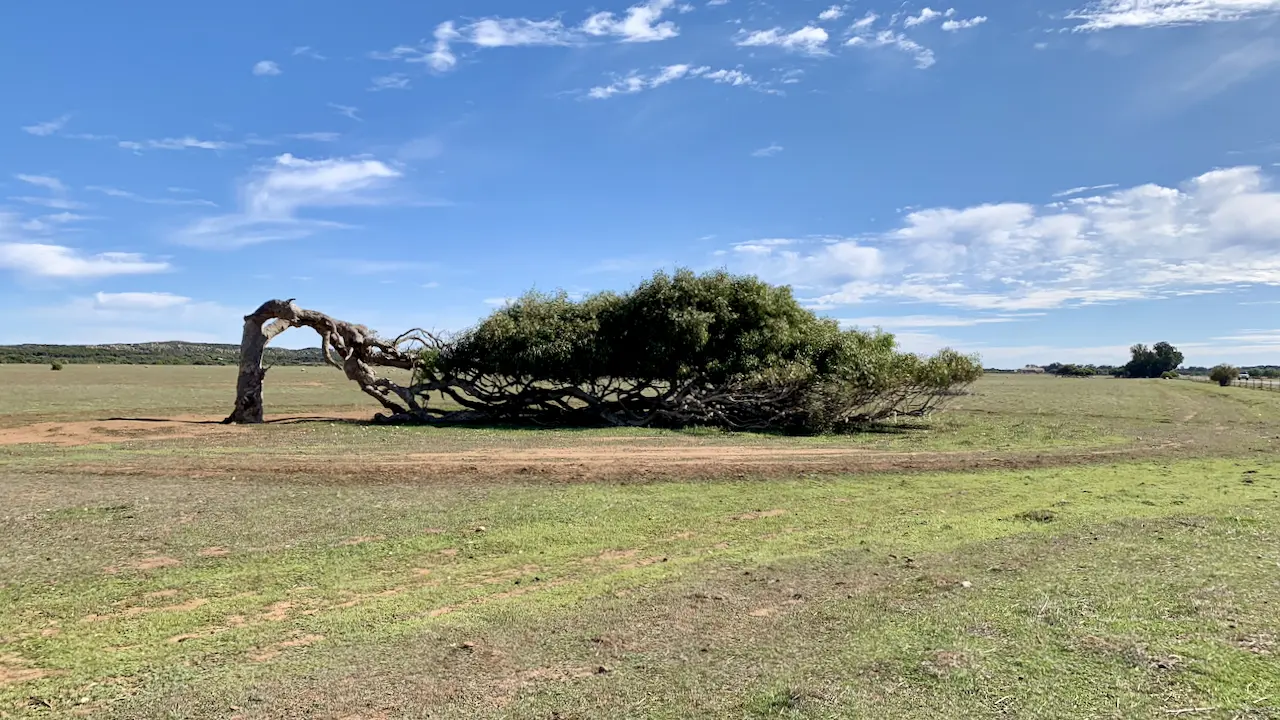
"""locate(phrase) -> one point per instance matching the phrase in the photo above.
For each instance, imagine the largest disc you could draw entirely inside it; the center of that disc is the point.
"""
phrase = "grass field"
(1047, 548)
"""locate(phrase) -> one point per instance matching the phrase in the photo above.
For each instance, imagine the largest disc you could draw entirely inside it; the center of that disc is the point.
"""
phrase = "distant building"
(1032, 370)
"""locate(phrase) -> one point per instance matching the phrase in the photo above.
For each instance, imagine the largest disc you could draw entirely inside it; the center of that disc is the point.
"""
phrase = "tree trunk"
(354, 349)
(253, 345)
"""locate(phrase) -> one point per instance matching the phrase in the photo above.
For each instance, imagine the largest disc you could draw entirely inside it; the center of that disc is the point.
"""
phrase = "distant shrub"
(1224, 375)
(55, 365)
(1074, 371)
(1169, 375)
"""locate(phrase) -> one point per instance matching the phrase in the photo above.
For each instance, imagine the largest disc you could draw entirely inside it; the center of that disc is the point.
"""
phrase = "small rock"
(481, 529)
(602, 670)
(966, 584)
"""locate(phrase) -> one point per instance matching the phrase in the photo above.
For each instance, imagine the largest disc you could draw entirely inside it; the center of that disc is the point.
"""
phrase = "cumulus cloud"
(1218, 229)
(808, 40)
(954, 25)
(1112, 14)
(640, 23)
(273, 198)
(835, 12)
(926, 15)
(266, 67)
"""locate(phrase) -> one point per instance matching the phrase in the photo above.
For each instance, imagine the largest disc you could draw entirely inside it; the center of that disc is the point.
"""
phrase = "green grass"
(315, 570)
(852, 590)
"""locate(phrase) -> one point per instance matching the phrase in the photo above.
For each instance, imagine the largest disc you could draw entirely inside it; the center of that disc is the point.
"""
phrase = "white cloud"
(58, 261)
(930, 321)
(835, 12)
(809, 40)
(394, 81)
(1111, 14)
(272, 199)
(640, 24)
(317, 136)
(138, 300)
(49, 183)
(954, 25)
(770, 151)
(48, 127)
(127, 195)
(887, 38)
(347, 111)
(308, 51)
(636, 82)
(1217, 230)
(715, 3)
(57, 203)
(182, 143)
(266, 67)
(1084, 189)
(926, 15)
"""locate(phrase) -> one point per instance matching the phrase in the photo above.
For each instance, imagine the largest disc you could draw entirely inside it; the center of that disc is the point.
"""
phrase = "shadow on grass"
(277, 421)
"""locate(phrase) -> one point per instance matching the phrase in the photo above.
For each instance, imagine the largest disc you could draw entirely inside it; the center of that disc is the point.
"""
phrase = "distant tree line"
(159, 353)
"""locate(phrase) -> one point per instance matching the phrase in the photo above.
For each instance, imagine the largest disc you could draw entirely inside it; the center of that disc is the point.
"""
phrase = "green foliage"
(1224, 375)
(1152, 362)
(1070, 370)
(55, 365)
(714, 349)
(1169, 375)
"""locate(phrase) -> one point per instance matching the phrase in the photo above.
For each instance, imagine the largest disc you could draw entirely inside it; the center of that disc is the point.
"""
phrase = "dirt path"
(90, 432)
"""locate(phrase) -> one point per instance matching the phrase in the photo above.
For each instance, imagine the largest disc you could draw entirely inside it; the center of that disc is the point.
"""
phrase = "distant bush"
(1224, 374)
(55, 365)
(1074, 371)
(1169, 375)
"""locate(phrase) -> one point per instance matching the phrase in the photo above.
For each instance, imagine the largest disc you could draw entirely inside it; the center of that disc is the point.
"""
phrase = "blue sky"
(1029, 181)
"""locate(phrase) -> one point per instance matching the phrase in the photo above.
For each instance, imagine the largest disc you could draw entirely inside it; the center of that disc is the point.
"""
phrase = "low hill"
(157, 353)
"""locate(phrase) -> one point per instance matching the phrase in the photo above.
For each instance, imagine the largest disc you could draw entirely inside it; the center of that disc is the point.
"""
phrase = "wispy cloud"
(49, 183)
(266, 67)
(924, 57)
(325, 137)
(138, 300)
(47, 127)
(57, 203)
(636, 81)
(765, 152)
(1084, 189)
(276, 193)
(394, 81)
(932, 321)
(308, 52)
(127, 195)
(58, 261)
(1112, 14)
(182, 143)
(347, 111)
(639, 24)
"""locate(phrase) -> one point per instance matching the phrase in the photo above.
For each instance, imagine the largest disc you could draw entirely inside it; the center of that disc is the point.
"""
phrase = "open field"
(1046, 548)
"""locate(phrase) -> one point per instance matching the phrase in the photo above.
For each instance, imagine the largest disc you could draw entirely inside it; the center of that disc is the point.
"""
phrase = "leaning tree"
(678, 350)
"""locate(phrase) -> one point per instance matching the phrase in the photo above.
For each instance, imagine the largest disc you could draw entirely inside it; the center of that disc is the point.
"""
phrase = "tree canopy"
(1151, 362)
